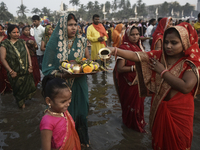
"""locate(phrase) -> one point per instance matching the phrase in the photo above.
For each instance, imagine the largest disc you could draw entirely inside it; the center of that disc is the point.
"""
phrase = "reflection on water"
(19, 129)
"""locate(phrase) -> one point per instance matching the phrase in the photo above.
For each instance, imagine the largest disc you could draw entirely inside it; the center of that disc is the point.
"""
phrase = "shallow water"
(19, 129)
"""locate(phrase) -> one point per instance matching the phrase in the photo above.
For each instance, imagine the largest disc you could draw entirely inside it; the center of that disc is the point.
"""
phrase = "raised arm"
(129, 55)
(184, 85)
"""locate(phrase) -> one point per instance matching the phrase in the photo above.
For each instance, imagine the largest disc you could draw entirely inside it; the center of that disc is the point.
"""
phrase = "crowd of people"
(168, 72)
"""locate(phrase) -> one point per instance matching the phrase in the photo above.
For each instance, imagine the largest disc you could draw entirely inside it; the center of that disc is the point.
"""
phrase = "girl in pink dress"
(57, 126)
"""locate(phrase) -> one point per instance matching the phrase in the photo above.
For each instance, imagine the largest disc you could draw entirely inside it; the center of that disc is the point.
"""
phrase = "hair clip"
(67, 86)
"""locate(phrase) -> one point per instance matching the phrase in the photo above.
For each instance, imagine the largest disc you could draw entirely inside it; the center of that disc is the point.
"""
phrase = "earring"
(49, 105)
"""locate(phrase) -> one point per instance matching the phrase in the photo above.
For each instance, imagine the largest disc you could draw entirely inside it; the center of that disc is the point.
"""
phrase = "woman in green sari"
(45, 39)
(66, 44)
(16, 59)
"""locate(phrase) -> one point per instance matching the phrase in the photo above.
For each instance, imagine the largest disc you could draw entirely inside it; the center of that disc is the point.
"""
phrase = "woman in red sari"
(32, 46)
(163, 24)
(172, 77)
(126, 83)
(4, 83)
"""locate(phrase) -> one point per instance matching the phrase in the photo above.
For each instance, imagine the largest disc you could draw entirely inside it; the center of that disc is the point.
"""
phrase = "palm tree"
(96, 5)
(36, 11)
(90, 6)
(22, 10)
(65, 7)
(114, 5)
(4, 14)
(46, 11)
(128, 4)
(74, 2)
(122, 4)
(107, 6)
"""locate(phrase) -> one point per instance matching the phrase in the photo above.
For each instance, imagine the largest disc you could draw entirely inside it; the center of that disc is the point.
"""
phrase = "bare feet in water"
(23, 106)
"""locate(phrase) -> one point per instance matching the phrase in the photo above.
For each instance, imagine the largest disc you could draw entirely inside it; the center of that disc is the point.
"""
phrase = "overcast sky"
(55, 4)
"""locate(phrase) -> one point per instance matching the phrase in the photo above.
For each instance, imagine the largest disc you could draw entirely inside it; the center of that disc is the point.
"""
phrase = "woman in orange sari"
(172, 77)
(117, 35)
(126, 83)
(157, 41)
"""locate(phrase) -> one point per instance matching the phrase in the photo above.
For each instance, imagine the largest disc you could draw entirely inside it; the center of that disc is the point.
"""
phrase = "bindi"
(16, 30)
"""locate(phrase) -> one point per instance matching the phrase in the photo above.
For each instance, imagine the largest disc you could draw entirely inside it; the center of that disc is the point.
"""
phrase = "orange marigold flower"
(84, 59)
(87, 69)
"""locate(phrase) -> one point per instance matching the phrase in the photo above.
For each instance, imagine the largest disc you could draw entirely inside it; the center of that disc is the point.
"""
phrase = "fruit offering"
(81, 66)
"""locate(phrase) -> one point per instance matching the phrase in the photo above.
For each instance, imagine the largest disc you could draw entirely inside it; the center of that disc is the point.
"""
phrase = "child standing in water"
(57, 126)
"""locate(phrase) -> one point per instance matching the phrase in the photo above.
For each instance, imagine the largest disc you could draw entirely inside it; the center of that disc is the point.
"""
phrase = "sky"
(55, 4)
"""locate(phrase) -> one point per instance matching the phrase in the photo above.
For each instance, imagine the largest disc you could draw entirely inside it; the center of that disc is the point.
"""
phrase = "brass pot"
(104, 53)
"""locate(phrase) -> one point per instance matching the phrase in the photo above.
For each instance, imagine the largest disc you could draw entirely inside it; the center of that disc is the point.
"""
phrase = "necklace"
(54, 113)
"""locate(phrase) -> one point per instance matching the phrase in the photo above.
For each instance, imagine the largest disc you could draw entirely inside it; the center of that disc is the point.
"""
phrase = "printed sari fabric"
(23, 85)
(59, 49)
(171, 122)
(71, 140)
(32, 51)
(117, 37)
(4, 83)
(160, 29)
(126, 85)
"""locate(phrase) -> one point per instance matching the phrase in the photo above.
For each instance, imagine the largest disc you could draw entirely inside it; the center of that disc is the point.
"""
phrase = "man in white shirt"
(152, 22)
(38, 34)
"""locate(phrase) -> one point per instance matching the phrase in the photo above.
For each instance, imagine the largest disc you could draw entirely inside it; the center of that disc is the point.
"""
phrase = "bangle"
(132, 69)
(11, 72)
(115, 54)
(162, 73)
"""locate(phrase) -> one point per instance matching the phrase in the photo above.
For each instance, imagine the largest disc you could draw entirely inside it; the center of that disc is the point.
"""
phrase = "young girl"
(172, 77)
(57, 126)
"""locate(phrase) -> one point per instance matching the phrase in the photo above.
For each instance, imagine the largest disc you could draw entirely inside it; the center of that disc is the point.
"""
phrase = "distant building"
(64, 9)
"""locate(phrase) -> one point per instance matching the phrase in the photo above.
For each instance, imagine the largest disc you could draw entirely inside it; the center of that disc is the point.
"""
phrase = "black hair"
(36, 17)
(159, 19)
(199, 15)
(10, 28)
(152, 20)
(95, 15)
(51, 86)
(2, 26)
(134, 27)
(25, 27)
(71, 16)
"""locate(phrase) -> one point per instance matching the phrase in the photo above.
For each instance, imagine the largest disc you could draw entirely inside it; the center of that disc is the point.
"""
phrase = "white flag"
(172, 12)
(156, 10)
(182, 13)
(135, 9)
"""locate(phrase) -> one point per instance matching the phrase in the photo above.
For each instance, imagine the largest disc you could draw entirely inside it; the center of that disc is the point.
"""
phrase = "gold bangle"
(11, 72)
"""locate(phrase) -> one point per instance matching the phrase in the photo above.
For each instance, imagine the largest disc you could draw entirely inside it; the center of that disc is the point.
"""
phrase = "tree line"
(118, 9)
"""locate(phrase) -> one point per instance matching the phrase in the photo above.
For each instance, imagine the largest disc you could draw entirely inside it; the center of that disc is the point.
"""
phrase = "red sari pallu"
(171, 122)
(160, 29)
(126, 85)
(71, 141)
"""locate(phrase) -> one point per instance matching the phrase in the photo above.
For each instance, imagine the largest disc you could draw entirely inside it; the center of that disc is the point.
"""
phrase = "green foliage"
(121, 9)
(5, 15)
